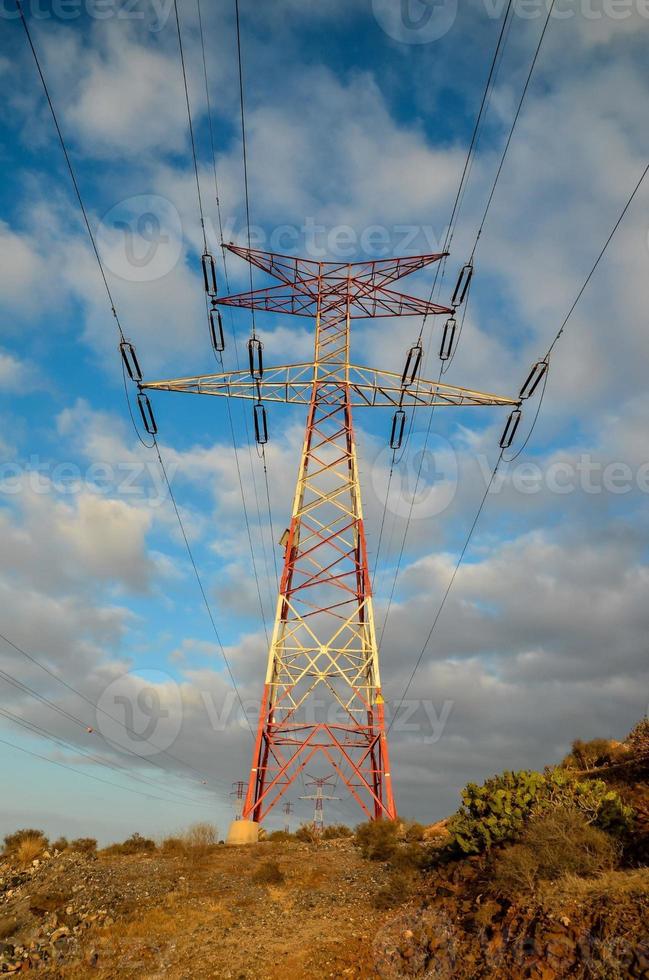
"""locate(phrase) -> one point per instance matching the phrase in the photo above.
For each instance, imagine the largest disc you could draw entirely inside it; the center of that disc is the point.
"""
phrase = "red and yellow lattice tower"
(322, 692)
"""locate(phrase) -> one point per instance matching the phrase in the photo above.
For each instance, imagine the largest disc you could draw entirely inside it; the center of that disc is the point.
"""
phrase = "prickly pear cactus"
(498, 810)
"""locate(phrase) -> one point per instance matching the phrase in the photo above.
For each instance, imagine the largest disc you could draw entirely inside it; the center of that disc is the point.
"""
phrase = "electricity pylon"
(320, 783)
(323, 640)
(237, 795)
(288, 809)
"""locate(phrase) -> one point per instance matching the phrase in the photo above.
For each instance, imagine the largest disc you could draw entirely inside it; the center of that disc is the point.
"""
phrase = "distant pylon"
(323, 641)
(288, 809)
(237, 795)
(321, 783)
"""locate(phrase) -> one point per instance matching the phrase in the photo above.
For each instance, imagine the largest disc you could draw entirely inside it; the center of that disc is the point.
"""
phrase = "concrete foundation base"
(242, 832)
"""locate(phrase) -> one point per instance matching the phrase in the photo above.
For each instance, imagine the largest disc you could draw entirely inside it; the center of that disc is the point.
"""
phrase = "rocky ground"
(79, 916)
(113, 916)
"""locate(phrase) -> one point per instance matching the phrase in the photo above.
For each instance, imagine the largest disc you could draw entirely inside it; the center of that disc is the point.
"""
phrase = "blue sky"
(350, 126)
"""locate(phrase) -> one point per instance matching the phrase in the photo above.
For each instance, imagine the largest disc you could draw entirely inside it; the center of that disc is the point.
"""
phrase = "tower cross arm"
(367, 387)
(364, 301)
(292, 270)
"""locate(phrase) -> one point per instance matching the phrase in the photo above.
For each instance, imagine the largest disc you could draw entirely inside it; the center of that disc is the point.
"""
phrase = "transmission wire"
(121, 333)
(500, 459)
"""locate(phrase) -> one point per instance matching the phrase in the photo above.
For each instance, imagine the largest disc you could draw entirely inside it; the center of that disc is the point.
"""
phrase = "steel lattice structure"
(324, 640)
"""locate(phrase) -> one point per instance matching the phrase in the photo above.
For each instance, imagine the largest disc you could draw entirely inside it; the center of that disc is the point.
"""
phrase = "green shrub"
(498, 810)
(378, 839)
(552, 844)
(337, 831)
(12, 842)
(268, 873)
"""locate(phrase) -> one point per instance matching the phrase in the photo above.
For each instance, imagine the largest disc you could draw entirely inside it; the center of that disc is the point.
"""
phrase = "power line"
(227, 283)
(70, 168)
(101, 269)
(244, 144)
(98, 779)
(599, 258)
(26, 689)
(581, 292)
(501, 456)
(99, 760)
(270, 515)
(191, 127)
(513, 126)
(501, 38)
(61, 680)
(464, 176)
(450, 583)
(408, 520)
(201, 587)
(234, 345)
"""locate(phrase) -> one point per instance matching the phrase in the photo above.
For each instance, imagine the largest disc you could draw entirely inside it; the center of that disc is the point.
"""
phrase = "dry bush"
(268, 873)
(397, 891)
(413, 831)
(594, 754)
(613, 887)
(411, 857)
(378, 839)
(277, 836)
(60, 844)
(13, 841)
(201, 836)
(337, 831)
(638, 738)
(307, 834)
(552, 845)
(83, 845)
(194, 843)
(29, 849)
(135, 844)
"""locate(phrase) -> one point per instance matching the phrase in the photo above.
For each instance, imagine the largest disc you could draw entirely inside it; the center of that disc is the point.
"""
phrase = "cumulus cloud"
(543, 635)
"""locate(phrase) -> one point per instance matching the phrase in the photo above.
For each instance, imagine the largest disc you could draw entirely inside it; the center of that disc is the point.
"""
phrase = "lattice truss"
(322, 693)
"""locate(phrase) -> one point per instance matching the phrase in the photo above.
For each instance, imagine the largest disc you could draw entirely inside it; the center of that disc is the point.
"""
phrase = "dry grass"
(195, 843)
(13, 841)
(396, 891)
(551, 846)
(29, 849)
(611, 886)
(269, 873)
(201, 836)
(135, 844)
